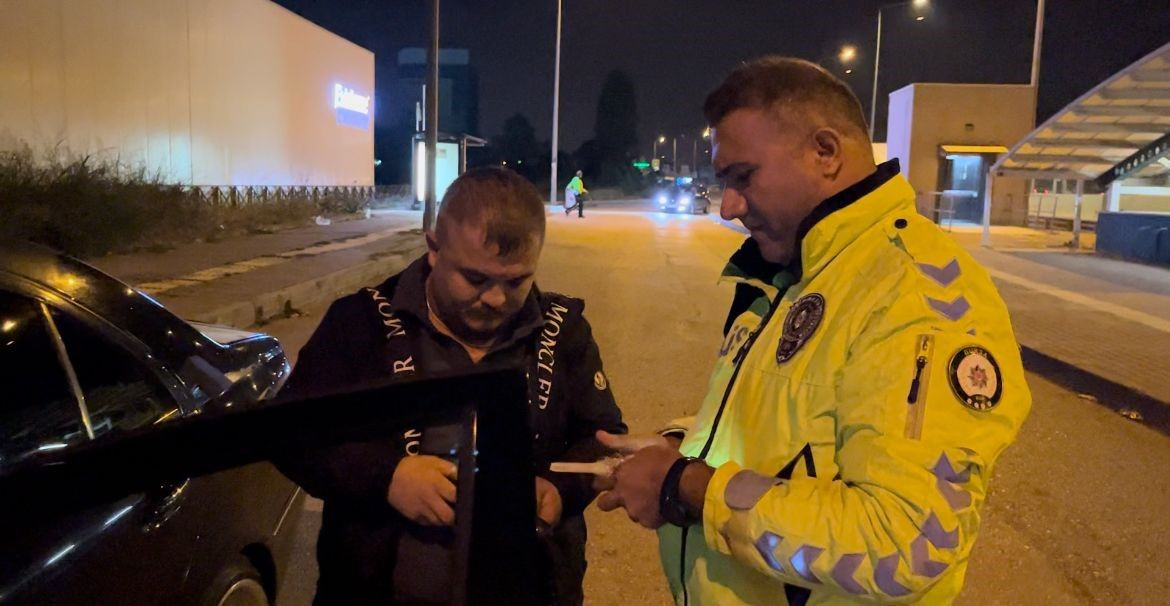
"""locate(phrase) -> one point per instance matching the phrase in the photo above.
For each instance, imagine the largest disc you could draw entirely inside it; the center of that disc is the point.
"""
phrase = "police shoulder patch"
(975, 378)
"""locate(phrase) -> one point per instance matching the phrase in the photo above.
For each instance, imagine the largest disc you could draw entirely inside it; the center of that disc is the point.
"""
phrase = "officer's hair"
(796, 89)
(506, 204)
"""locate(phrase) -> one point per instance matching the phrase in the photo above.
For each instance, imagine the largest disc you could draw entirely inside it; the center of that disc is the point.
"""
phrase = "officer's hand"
(626, 445)
(636, 483)
(548, 502)
(423, 491)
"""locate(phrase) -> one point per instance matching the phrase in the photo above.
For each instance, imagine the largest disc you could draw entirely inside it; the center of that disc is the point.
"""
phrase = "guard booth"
(946, 136)
(450, 162)
(1103, 162)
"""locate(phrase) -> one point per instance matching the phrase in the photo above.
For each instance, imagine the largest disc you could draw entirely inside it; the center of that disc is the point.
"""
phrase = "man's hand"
(626, 445)
(637, 482)
(423, 491)
(548, 502)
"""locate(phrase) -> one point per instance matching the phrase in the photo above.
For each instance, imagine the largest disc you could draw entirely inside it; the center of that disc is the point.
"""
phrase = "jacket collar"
(827, 230)
(409, 297)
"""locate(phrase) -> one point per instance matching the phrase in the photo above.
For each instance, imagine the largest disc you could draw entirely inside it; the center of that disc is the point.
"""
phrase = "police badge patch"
(975, 379)
(800, 323)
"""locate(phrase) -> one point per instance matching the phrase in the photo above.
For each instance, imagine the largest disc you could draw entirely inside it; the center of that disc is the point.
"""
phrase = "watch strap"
(670, 504)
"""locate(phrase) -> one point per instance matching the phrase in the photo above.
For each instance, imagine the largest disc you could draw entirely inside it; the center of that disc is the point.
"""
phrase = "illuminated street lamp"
(846, 56)
(660, 139)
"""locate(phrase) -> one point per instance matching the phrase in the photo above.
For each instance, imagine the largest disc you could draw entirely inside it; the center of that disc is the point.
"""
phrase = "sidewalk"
(1102, 316)
(249, 279)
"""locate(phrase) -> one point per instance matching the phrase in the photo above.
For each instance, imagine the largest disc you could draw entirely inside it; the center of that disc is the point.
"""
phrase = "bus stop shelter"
(1116, 135)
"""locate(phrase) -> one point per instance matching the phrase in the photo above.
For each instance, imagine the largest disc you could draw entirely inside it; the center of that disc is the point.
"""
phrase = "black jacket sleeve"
(357, 472)
(592, 407)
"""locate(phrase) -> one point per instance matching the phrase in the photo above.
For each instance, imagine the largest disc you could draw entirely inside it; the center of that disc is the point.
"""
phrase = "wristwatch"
(670, 504)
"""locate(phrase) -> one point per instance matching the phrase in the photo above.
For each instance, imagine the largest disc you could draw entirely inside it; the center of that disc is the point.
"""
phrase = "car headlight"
(662, 199)
(684, 200)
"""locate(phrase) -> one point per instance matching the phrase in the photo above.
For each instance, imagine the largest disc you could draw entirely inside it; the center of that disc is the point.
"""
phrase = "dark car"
(85, 358)
(683, 196)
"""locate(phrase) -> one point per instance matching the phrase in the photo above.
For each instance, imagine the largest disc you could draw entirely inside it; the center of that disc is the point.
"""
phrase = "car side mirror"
(209, 379)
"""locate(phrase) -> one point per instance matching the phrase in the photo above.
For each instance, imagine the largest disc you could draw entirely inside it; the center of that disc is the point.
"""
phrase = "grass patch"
(89, 207)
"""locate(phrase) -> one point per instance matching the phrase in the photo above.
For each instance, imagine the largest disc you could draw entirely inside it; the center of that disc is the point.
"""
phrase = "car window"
(121, 392)
(37, 410)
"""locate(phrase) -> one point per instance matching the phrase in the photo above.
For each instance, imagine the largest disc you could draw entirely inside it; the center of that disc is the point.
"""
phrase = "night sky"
(677, 50)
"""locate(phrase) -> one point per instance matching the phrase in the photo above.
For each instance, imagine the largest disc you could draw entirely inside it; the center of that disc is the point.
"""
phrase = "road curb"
(309, 294)
(1127, 401)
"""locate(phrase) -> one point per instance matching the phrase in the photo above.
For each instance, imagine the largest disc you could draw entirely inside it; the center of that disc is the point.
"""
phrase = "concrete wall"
(923, 117)
(204, 92)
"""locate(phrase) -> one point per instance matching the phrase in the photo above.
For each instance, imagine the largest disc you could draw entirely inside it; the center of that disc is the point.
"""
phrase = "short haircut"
(795, 88)
(504, 203)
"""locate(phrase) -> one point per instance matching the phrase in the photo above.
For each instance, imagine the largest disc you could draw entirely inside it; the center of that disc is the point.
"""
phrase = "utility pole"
(552, 185)
(432, 122)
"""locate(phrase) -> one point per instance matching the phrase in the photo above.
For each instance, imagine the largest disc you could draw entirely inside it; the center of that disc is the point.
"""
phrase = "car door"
(68, 383)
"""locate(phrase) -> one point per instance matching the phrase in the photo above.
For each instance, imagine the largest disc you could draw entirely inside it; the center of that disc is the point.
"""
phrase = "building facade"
(197, 92)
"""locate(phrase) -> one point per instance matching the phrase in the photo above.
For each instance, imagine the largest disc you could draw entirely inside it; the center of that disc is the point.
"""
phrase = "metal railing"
(1038, 220)
(938, 209)
(247, 195)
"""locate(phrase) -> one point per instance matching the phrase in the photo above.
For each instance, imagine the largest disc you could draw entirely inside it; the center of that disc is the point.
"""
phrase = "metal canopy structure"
(1117, 130)
(1114, 122)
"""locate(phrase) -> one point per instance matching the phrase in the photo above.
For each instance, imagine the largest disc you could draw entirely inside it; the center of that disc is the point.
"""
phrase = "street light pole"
(674, 154)
(877, 54)
(1037, 38)
(552, 186)
(432, 126)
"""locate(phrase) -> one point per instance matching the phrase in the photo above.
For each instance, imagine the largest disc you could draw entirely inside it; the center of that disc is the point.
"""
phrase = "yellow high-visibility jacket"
(854, 417)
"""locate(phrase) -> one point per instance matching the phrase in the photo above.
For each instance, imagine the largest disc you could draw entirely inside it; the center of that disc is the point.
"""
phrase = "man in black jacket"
(470, 299)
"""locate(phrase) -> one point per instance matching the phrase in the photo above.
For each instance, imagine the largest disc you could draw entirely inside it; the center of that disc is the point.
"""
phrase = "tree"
(615, 133)
(517, 141)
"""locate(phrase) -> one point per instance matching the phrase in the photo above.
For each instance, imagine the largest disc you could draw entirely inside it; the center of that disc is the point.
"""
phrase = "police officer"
(470, 299)
(867, 383)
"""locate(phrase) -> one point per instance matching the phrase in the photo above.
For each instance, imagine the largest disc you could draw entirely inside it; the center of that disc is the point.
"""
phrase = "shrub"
(88, 207)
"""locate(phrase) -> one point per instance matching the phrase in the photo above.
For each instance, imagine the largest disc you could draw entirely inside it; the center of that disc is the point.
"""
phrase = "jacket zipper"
(738, 361)
(916, 399)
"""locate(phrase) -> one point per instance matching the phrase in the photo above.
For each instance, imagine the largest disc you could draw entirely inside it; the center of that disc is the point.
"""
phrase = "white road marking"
(1125, 313)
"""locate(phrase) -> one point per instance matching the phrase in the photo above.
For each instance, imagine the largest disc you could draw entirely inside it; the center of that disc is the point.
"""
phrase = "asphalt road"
(1078, 510)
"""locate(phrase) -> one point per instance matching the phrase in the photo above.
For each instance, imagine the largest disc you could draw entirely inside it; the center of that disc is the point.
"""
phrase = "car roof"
(116, 302)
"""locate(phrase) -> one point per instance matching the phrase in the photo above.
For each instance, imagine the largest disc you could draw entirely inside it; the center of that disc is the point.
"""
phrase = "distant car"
(84, 357)
(683, 198)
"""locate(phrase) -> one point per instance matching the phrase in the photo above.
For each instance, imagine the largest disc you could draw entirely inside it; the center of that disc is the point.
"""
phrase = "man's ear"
(830, 149)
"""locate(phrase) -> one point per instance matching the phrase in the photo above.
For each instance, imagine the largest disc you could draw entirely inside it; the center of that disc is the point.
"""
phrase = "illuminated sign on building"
(351, 108)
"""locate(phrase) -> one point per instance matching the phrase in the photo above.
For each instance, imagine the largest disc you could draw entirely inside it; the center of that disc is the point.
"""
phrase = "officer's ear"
(829, 145)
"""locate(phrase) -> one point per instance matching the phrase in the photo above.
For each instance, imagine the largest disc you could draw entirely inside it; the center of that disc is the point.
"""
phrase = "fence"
(248, 195)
